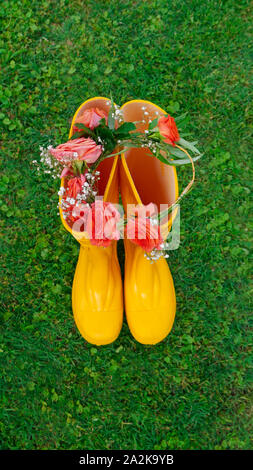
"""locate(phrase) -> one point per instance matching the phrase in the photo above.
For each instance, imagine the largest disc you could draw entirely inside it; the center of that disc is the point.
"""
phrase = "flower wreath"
(99, 135)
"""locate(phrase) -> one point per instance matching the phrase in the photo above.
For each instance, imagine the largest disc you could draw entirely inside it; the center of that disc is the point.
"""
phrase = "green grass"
(192, 391)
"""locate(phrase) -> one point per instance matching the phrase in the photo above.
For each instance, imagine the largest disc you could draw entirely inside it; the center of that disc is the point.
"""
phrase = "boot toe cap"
(151, 326)
(99, 328)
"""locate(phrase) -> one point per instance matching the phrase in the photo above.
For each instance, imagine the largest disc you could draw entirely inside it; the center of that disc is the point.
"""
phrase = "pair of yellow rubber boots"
(149, 295)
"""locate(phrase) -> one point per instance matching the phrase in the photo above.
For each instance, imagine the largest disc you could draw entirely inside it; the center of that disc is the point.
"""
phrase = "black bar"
(110, 459)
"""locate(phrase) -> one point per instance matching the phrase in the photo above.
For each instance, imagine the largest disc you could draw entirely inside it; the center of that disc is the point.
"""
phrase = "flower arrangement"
(99, 135)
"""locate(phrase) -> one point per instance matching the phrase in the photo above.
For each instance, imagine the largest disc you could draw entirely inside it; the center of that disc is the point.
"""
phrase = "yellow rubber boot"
(150, 301)
(97, 299)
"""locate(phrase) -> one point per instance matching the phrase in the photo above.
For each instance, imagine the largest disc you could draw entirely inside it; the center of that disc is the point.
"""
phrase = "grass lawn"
(192, 391)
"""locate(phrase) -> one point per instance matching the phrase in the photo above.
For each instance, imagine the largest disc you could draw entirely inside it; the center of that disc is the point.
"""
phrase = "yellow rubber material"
(97, 298)
(150, 300)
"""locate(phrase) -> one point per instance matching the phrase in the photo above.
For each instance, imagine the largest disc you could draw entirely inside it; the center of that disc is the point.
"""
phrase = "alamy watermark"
(136, 222)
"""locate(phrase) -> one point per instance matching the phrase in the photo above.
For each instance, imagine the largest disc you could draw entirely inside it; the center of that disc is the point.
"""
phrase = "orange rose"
(168, 129)
(77, 149)
(75, 185)
(91, 118)
(102, 223)
(141, 231)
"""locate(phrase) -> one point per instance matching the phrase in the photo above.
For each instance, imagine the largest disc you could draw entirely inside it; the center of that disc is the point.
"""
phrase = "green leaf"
(160, 157)
(82, 127)
(111, 116)
(125, 128)
(188, 145)
(77, 135)
(105, 133)
(153, 124)
(102, 122)
(136, 134)
(176, 152)
(115, 153)
(156, 136)
(185, 161)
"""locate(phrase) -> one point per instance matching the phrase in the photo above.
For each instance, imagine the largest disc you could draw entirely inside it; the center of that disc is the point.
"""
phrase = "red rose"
(168, 129)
